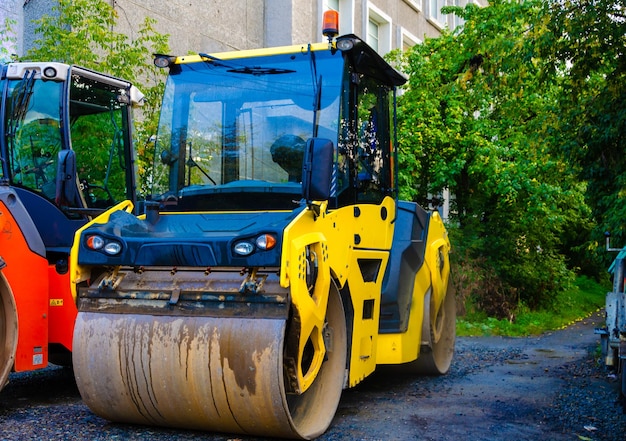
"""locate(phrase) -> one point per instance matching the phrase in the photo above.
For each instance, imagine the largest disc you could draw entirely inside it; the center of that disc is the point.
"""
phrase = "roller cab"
(273, 265)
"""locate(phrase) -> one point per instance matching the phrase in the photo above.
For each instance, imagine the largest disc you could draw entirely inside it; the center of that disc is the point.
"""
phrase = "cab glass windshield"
(232, 132)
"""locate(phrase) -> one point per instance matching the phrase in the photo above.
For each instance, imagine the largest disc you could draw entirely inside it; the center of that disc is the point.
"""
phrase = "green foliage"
(584, 47)
(82, 32)
(571, 305)
(7, 40)
(478, 118)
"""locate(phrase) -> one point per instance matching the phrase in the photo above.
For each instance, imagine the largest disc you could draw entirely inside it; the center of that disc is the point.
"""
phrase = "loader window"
(33, 133)
(97, 128)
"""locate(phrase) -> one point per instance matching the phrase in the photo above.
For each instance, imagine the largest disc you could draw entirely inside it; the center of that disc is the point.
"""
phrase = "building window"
(434, 12)
(407, 40)
(331, 4)
(372, 34)
(456, 20)
(345, 8)
(378, 27)
(415, 4)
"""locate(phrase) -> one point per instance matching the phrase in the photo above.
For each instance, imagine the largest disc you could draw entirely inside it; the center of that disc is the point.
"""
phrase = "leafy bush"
(581, 299)
(81, 32)
(481, 117)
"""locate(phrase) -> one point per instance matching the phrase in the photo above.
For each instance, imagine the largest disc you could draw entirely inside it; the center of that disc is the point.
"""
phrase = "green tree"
(584, 47)
(82, 32)
(7, 40)
(478, 118)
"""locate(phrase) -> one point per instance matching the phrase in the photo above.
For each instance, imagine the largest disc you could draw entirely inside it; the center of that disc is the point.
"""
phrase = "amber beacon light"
(330, 27)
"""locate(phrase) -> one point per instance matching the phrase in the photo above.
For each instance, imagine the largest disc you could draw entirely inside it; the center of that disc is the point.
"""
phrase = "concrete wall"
(218, 25)
(23, 13)
(31, 11)
(197, 25)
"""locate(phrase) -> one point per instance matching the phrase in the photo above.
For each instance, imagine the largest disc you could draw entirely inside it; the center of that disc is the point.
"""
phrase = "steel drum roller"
(205, 373)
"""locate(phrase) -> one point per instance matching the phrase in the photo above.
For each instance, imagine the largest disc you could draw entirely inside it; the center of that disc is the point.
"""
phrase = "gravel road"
(538, 388)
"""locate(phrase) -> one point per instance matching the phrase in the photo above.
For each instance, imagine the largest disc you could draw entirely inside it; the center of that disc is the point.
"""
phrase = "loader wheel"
(8, 331)
(219, 374)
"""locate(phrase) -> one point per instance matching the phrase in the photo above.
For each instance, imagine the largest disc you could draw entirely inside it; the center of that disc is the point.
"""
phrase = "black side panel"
(24, 221)
(56, 230)
(407, 257)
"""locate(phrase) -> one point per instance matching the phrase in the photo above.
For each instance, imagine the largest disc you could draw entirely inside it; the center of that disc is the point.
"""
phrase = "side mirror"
(66, 188)
(317, 169)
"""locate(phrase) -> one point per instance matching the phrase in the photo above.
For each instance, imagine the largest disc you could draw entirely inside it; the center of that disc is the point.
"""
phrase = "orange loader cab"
(66, 149)
(39, 320)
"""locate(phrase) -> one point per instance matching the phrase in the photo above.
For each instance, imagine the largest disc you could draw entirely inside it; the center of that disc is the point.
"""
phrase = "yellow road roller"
(273, 265)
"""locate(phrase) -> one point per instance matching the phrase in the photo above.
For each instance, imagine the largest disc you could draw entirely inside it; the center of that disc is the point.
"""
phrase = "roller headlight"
(49, 72)
(244, 248)
(95, 242)
(262, 242)
(113, 248)
(345, 44)
(265, 242)
(99, 243)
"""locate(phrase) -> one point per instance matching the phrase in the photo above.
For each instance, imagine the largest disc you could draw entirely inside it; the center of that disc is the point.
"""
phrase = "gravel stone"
(549, 387)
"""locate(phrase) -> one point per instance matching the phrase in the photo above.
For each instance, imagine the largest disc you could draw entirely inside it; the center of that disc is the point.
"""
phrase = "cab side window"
(97, 121)
(364, 169)
(35, 138)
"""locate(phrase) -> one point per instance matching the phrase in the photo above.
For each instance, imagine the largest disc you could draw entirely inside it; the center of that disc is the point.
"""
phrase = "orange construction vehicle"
(66, 150)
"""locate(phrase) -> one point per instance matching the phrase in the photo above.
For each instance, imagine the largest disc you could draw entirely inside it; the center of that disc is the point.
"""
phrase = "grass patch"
(585, 297)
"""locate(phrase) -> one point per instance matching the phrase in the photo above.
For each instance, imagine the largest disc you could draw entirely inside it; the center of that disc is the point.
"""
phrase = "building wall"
(198, 25)
(31, 11)
(217, 25)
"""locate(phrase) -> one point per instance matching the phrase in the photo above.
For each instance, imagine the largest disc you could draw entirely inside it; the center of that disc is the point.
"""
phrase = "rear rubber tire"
(8, 331)
(436, 358)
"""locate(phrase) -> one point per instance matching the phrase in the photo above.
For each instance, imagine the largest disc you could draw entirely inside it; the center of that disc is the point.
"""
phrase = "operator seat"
(288, 152)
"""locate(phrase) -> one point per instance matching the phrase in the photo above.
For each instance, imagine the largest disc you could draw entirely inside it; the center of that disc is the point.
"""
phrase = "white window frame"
(405, 36)
(415, 4)
(456, 20)
(346, 17)
(383, 21)
(435, 17)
